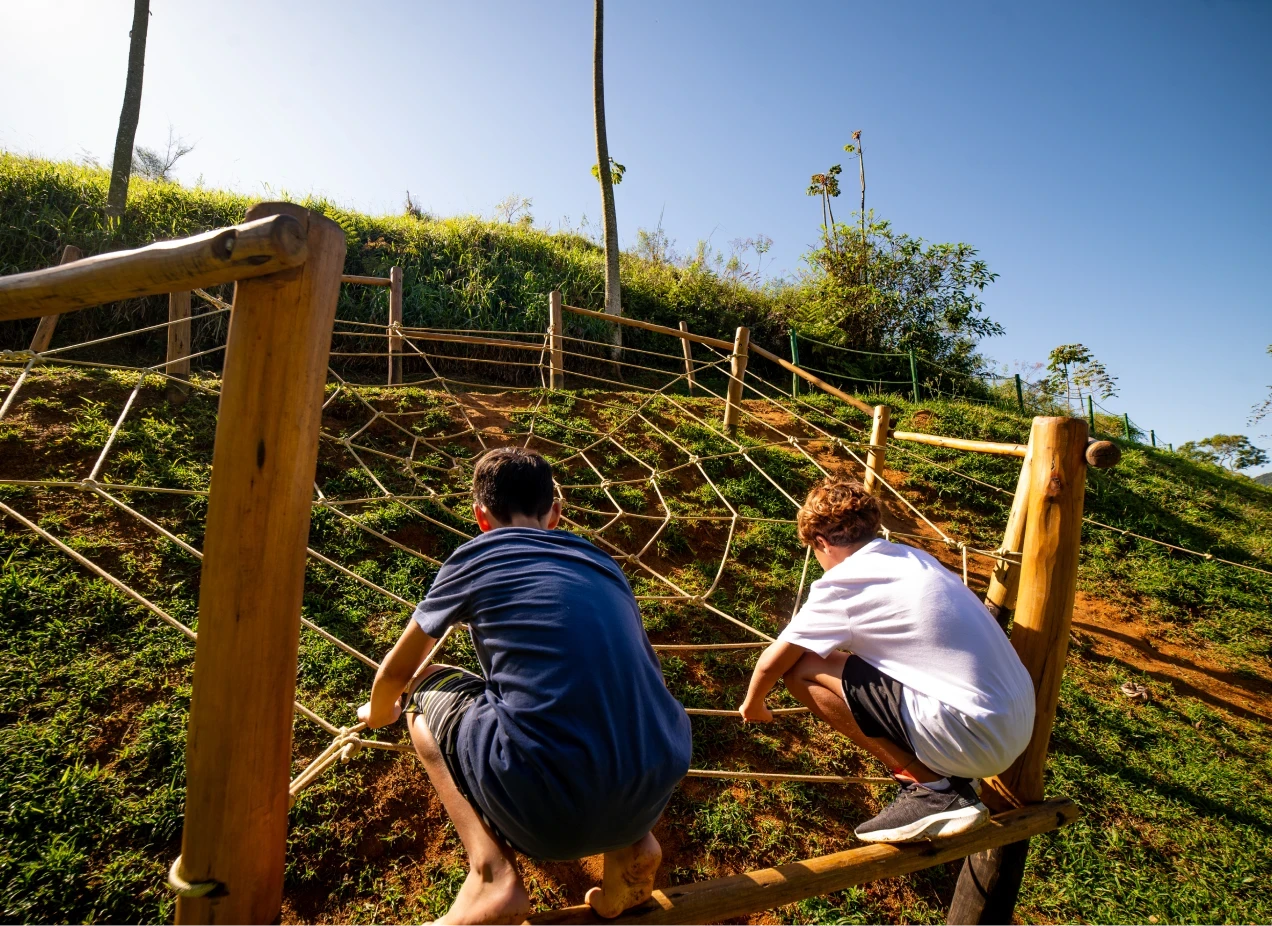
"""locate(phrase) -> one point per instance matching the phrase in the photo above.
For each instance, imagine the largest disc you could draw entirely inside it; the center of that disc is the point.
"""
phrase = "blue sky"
(1107, 159)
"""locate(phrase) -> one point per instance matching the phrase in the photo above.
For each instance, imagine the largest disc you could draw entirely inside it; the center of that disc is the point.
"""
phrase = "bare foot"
(492, 894)
(629, 877)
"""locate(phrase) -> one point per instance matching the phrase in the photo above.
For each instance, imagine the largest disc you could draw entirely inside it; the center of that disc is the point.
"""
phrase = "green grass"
(94, 691)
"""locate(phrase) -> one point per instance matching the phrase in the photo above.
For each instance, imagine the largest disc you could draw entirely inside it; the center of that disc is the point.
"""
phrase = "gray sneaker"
(917, 814)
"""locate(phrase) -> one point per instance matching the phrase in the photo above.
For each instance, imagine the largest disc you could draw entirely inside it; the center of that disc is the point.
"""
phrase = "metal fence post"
(794, 360)
(1020, 394)
(914, 378)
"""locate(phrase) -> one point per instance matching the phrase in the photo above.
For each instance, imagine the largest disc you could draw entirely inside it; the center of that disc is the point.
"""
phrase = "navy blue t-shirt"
(577, 744)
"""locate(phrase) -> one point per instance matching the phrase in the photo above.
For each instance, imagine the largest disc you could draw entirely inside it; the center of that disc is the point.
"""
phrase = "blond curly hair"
(841, 511)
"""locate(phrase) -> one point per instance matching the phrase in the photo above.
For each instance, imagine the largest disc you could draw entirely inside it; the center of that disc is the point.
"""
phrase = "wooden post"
(395, 319)
(556, 329)
(875, 456)
(989, 883)
(688, 349)
(1004, 581)
(914, 377)
(48, 323)
(178, 364)
(1020, 395)
(733, 398)
(238, 755)
(795, 361)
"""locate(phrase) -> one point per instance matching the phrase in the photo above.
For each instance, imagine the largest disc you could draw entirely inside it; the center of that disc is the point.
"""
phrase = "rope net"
(700, 517)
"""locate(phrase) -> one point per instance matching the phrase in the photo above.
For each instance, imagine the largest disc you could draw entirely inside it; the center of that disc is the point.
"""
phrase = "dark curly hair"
(512, 480)
(841, 511)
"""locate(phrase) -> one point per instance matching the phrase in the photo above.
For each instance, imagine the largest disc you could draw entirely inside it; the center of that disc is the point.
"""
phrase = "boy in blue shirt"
(571, 744)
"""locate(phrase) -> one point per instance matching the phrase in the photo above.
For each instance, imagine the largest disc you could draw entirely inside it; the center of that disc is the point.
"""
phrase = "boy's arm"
(774, 662)
(395, 672)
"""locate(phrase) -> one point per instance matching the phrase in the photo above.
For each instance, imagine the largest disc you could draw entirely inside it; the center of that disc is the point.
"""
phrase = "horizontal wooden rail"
(252, 249)
(366, 281)
(419, 334)
(819, 383)
(650, 326)
(740, 895)
(961, 443)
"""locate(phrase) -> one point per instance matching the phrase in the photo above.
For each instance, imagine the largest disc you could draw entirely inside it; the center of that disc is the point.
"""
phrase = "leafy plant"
(1231, 451)
(1072, 369)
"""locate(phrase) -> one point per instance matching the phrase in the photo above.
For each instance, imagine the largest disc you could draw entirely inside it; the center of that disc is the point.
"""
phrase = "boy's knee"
(801, 674)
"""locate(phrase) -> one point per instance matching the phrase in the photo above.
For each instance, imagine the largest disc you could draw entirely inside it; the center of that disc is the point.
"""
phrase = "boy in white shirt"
(893, 651)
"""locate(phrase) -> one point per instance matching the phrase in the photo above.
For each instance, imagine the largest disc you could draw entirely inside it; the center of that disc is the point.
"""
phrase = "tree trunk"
(609, 218)
(121, 167)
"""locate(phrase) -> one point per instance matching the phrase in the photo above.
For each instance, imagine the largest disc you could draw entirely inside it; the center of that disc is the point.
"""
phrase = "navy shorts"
(875, 701)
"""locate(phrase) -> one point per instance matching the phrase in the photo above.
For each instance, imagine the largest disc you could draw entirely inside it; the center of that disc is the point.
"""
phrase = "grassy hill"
(459, 272)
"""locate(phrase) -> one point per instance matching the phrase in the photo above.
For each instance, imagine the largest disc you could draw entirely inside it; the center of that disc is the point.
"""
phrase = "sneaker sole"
(936, 826)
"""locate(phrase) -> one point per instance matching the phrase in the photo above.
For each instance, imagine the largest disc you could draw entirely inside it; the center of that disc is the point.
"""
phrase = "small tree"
(1073, 369)
(1231, 451)
(827, 187)
(516, 208)
(150, 164)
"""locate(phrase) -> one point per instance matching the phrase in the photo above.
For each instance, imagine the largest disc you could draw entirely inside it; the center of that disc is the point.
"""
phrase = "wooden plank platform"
(739, 895)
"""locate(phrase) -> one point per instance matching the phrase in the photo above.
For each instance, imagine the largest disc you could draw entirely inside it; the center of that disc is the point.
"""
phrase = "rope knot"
(185, 888)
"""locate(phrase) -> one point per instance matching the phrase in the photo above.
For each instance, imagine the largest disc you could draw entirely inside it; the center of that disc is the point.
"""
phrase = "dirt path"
(1110, 634)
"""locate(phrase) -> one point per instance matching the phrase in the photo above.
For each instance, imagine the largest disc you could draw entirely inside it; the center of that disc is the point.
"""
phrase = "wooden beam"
(987, 888)
(48, 323)
(556, 338)
(878, 448)
(420, 334)
(178, 361)
(684, 344)
(650, 326)
(962, 443)
(238, 755)
(737, 369)
(367, 281)
(395, 319)
(816, 381)
(253, 249)
(1004, 581)
(754, 891)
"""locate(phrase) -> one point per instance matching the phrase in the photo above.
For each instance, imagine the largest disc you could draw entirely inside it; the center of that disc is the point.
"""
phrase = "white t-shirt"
(968, 703)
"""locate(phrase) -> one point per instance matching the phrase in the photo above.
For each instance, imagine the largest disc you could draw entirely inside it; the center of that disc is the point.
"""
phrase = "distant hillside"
(1264, 478)
(459, 272)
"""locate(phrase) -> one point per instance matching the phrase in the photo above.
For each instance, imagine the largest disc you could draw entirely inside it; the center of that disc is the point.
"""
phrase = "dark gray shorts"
(875, 701)
(443, 699)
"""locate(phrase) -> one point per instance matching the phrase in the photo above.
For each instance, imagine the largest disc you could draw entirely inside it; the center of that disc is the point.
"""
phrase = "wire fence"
(916, 376)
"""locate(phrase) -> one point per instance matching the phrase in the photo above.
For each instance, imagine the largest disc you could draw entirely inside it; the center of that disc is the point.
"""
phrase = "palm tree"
(609, 218)
(121, 167)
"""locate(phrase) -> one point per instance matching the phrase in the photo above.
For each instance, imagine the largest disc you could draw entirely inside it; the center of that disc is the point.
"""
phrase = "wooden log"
(737, 368)
(1103, 454)
(650, 326)
(420, 334)
(1004, 580)
(754, 891)
(367, 281)
(178, 364)
(556, 329)
(684, 344)
(395, 325)
(987, 888)
(810, 378)
(48, 323)
(878, 445)
(253, 249)
(238, 756)
(962, 443)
